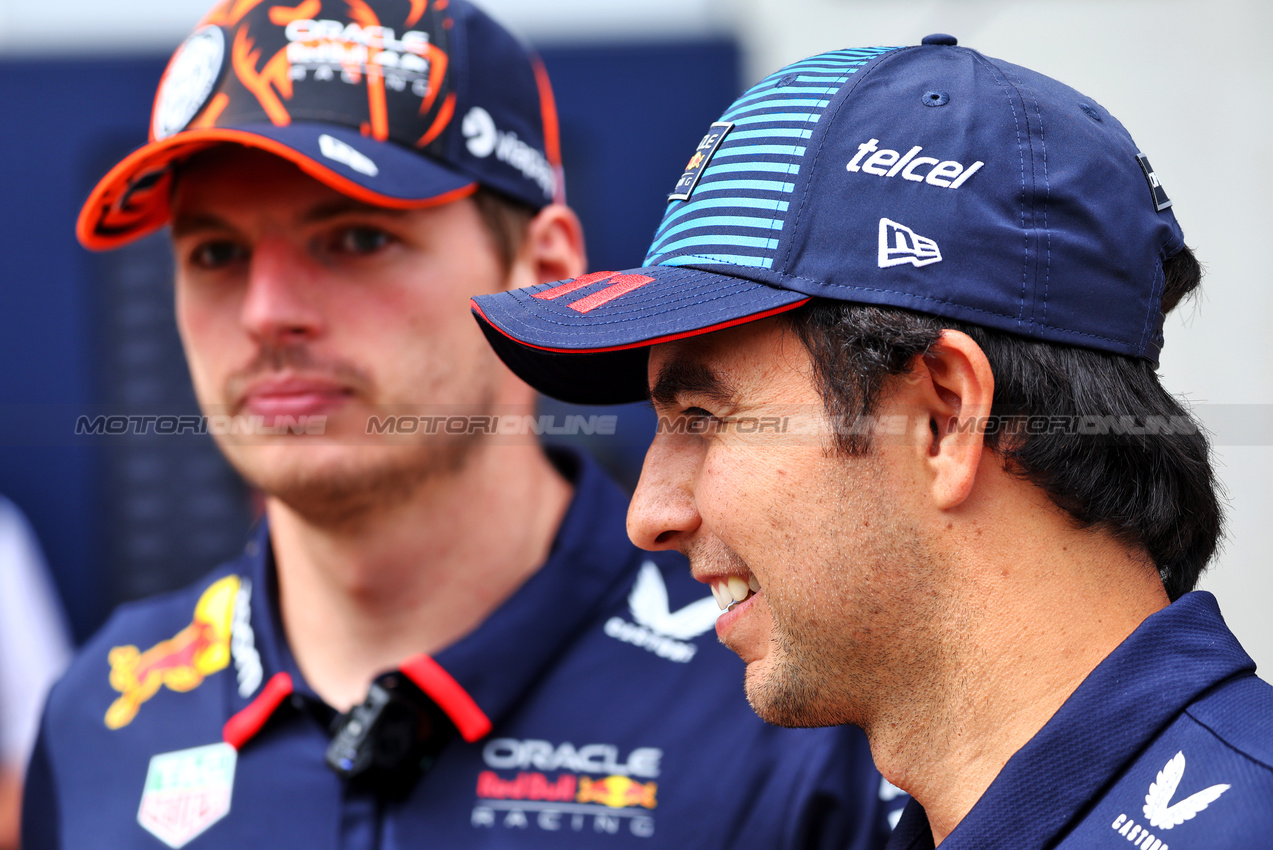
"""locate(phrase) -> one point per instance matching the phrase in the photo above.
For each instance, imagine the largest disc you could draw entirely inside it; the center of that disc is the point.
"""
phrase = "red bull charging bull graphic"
(180, 663)
(617, 792)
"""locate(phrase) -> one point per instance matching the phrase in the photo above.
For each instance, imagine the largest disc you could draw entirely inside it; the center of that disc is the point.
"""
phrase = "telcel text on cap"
(931, 178)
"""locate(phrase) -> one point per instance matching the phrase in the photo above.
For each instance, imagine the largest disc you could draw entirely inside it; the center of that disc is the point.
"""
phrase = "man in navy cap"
(901, 322)
(440, 635)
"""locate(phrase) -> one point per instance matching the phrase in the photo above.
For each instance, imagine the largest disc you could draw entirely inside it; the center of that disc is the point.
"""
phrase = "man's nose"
(663, 513)
(283, 298)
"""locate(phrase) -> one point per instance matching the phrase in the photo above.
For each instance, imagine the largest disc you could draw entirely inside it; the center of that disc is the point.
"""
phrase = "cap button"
(940, 38)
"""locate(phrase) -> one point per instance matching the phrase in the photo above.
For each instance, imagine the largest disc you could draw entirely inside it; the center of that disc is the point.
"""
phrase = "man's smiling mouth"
(730, 590)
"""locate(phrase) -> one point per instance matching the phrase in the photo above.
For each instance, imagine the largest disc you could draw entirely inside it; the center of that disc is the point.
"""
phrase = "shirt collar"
(1174, 656)
(503, 657)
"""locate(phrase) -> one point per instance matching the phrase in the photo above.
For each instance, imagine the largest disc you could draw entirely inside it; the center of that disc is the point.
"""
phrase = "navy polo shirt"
(597, 707)
(1167, 744)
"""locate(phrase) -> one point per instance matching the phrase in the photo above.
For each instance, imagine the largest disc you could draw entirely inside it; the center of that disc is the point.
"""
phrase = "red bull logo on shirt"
(570, 800)
(617, 792)
(182, 662)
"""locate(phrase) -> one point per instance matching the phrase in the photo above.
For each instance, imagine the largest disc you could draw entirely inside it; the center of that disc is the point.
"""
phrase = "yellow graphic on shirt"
(181, 662)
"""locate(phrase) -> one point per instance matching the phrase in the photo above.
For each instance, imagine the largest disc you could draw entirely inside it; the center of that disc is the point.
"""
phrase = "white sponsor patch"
(900, 245)
(186, 792)
(479, 130)
(483, 138)
(336, 150)
(191, 77)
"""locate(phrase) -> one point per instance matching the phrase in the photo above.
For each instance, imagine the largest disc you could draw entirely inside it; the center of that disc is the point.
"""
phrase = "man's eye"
(701, 420)
(360, 240)
(217, 254)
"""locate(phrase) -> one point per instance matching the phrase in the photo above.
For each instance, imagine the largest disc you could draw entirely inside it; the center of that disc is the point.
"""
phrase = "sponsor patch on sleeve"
(698, 162)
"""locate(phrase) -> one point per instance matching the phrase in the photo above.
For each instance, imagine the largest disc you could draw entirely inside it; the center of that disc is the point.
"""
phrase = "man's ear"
(954, 388)
(553, 248)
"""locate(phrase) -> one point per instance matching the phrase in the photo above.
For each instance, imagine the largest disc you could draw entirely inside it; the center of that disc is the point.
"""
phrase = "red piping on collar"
(242, 727)
(449, 695)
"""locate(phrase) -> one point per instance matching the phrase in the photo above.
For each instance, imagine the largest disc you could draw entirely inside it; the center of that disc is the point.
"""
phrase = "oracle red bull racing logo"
(623, 797)
(180, 663)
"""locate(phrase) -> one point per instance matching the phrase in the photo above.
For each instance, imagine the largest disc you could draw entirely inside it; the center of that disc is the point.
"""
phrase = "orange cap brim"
(132, 200)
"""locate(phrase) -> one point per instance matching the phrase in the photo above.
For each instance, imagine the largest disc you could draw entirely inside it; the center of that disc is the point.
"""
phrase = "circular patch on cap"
(191, 79)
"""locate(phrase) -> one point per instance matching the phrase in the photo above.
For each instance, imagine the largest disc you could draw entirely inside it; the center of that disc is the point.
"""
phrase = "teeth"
(734, 589)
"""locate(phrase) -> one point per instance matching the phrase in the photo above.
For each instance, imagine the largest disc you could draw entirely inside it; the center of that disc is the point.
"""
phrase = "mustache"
(712, 552)
(296, 358)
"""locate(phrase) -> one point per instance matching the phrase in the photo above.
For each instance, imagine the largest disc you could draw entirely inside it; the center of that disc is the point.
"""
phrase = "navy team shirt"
(1166, 745)
(603, 713)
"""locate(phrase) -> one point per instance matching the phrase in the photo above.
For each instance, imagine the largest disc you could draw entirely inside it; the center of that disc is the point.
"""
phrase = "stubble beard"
(366, 481)
(841, 663)
(363, 478)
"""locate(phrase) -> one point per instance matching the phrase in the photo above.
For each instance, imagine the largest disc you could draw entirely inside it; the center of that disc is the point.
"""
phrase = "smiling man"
(440, 635)
(901, 322)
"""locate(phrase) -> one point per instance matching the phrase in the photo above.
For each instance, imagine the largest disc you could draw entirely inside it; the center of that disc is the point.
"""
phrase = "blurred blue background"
(125, 517)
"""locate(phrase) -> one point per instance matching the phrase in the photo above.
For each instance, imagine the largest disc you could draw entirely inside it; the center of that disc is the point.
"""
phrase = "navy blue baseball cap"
(399, 103)
(931, 178)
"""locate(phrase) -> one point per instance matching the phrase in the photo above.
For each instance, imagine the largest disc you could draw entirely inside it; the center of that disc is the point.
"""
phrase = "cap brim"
(587, 341)
(133, 198)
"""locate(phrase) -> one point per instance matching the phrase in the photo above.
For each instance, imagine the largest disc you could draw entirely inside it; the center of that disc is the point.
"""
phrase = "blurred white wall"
(1192, 80)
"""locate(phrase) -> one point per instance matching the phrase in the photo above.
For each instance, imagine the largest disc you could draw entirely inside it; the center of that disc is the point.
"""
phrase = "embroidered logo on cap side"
(483, 138)
(900, 245)
(186, 792)
(1161, 201)
(702, 155)
(190, 80)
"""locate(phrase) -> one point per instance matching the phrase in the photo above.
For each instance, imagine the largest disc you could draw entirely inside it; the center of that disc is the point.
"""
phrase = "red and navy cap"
(931, 178)
(399, 103)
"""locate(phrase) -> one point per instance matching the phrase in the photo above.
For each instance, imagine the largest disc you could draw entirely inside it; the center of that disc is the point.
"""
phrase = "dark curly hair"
(1151, 484)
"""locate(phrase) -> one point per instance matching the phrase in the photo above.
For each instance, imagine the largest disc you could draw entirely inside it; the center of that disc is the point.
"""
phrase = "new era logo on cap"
(900, 245)
(335, 149)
